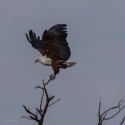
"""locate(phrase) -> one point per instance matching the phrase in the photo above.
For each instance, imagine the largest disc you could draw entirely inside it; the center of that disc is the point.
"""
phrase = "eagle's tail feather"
(69, 64)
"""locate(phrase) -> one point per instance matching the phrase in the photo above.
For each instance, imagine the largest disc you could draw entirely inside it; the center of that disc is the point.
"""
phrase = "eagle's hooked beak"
(36, 60)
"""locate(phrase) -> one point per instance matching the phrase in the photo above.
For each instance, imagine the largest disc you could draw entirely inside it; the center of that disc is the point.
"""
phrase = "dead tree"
(41, 111)
(102, 116)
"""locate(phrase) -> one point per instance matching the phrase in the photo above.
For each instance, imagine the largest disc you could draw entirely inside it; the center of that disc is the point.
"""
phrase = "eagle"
(53, 46)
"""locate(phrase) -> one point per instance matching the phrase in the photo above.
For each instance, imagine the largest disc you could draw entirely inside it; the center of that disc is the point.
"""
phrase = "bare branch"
(54, 102)
(38, 87)
(28, 111)
(122, 121)
(119, 104)
(33, 118)
(39, 111)
(102, 117)
(48, 81)
(113, 115)
(99, 117)
(47, 104)
(41, 101)
(26, 118)
(45, 90)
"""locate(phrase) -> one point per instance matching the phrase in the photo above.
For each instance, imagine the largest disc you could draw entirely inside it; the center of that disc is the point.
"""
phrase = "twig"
(47, 81)
(26, 118)
(122, 121)
(102, 117)
(38, 87)
(99, 118)
(45, 90)
(54, 102)
(28, 111)
(39, 111)
(41, 101)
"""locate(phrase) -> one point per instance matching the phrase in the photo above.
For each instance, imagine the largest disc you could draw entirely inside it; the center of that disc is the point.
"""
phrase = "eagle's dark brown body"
(53, 44)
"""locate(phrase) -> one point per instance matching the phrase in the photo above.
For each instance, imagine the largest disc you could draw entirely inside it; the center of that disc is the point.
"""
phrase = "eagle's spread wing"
(36, 42)
(53, 45)
(55, 42)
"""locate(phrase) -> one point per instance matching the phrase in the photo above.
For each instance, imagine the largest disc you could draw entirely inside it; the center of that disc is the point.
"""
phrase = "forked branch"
(102, 117)
(39, 110)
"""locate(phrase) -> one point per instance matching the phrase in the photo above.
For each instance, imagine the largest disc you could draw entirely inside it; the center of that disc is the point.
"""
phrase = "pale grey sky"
(96, 36)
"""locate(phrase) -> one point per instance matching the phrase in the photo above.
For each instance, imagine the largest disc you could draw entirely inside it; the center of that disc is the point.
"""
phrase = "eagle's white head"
(39, 59)
(44, 60)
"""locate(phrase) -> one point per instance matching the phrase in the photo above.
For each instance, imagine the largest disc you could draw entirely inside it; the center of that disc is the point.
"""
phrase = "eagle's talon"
(52, 77)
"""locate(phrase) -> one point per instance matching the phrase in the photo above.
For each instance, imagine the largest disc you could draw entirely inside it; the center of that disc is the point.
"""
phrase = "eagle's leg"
(55, 69)
(63, 66)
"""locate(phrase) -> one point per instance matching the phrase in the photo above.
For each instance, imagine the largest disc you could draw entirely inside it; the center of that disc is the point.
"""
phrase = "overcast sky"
(96, 36)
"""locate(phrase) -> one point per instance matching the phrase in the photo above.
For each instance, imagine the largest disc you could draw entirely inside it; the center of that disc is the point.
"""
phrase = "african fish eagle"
(53, 46)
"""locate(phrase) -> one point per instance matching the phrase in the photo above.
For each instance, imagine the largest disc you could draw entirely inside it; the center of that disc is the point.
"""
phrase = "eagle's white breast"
(45, 61)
